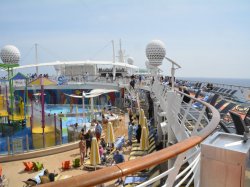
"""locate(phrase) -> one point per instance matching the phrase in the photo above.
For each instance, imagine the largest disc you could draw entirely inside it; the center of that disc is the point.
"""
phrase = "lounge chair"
(37, 166)
(141, 177)
(136, 146)
(151, 142)
(135, 154)
(66, 165)
(247, 118)
(76, 163)
(28, 166)
(239, 124)
(220, 104)
(225, 110)
(197, 93)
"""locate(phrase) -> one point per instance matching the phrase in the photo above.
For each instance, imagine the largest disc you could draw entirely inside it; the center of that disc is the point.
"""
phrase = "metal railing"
(187, 128)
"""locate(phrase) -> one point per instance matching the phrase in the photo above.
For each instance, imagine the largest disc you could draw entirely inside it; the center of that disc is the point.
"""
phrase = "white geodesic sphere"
(130, 60)
(10, 54)
(155, 52)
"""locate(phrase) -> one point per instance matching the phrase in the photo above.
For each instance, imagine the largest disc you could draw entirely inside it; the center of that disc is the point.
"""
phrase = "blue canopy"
(19, 76)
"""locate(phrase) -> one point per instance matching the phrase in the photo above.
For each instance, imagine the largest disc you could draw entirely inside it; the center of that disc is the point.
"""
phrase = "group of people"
(85, 145)
(133, 129)
(86, 139)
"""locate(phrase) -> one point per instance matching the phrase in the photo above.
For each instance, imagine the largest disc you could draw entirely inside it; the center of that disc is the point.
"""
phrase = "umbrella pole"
(43, 113)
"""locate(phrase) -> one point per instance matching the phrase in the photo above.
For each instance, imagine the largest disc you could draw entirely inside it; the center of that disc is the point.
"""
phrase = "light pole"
(173, 70)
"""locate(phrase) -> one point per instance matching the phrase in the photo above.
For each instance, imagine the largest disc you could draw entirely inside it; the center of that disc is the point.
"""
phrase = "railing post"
(170, 118)
(8, 144)
(61, 133)
(55, 127)
(27, 142)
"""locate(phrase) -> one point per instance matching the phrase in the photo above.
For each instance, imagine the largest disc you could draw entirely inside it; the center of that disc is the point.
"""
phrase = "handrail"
(133, 166)
(129, 167)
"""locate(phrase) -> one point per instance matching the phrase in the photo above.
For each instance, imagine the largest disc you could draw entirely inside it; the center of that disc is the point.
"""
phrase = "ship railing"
(187, 127)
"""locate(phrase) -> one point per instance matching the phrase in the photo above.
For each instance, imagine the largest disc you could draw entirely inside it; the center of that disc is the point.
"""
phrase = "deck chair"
(141, 152)
(139, 148)
(136, 145)
(223, 91)
(28, 166)
(37, 166)
(141, 177)
(239, 124)
(220, 104)
(214, 98)
(66, 165)
(247, 118)
(225, 110)
(76, 163)
(197, 93)
(232, 93)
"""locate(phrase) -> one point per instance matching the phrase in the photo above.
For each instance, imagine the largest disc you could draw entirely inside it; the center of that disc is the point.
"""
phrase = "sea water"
(228, 81)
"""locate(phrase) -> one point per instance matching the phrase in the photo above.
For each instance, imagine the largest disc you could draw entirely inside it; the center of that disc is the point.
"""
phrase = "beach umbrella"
(141, 117)
(146, 124)
(110, 136)
(144, 139)
(94, 153)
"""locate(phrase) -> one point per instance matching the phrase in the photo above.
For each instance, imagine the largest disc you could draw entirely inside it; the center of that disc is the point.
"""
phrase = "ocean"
(229, 81)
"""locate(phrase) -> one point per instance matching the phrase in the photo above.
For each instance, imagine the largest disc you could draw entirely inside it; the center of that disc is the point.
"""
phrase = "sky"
(209, 38)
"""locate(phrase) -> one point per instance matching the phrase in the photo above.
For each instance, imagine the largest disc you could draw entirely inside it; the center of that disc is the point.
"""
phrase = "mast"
(121, 57)
(36, 58)
(114, 70)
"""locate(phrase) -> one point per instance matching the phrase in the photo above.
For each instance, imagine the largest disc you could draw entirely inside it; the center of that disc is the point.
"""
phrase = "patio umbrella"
(144, 139)
(110, 137)
(94, 153)
(146, 124)
(141, 117)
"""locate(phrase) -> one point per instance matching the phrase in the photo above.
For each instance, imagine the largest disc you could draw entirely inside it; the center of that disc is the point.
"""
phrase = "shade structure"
(110, 136)
(94, 153)
(144, 139)
(141, 117)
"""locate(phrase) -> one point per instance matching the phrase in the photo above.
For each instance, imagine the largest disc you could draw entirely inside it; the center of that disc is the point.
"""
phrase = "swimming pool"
(20, 138)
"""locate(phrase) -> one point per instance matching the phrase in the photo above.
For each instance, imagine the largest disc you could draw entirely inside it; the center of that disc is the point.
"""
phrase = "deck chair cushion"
(28, 166)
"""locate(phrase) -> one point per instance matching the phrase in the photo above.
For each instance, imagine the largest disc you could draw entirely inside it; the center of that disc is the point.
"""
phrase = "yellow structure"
(3, 111)
(37, 136)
